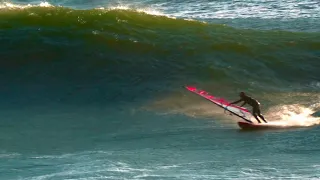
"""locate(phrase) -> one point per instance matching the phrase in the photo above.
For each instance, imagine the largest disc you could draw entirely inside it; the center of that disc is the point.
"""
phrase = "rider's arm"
(235, 102)
(243, 103)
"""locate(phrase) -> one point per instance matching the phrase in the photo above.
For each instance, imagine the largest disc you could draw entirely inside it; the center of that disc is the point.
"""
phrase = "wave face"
(55, 44)
(108, 56)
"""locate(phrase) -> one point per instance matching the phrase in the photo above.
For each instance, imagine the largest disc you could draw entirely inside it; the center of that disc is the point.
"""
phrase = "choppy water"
(94, 90)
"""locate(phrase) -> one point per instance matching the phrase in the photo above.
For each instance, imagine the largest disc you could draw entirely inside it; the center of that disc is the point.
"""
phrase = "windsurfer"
(252, 102)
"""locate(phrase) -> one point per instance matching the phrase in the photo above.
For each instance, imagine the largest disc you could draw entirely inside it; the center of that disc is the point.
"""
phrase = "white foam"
(292, 115)
(148, 10)
(8, 5)
(8, 155)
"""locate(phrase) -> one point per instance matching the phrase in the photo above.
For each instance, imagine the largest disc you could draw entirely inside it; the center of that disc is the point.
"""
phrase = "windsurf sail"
(235, 110)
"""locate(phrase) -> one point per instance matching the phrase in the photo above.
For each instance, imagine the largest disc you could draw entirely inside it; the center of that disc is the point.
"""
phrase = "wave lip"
(212, 10)
(7, 5)
(150, 11)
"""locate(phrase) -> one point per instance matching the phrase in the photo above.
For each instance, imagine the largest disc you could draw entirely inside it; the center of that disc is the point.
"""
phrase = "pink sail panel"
(214, 99)
(237, 110)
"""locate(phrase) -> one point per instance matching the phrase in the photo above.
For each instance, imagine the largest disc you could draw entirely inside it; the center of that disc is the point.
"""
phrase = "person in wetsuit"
(252, 102)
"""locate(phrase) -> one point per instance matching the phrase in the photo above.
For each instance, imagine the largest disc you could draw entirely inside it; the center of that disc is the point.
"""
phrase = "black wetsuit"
(255, 106)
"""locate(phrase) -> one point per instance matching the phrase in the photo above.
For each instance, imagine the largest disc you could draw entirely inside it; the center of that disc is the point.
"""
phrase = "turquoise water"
(95, 90)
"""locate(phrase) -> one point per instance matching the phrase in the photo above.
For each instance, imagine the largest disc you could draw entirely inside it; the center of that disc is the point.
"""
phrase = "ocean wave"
(128, 48)
(213, 49)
